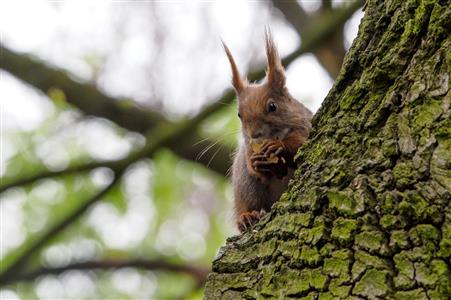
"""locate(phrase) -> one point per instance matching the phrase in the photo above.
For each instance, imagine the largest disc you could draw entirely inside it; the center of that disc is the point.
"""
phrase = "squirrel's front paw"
(269, 160)
(247, 219)
(261, 164)
(272, 149)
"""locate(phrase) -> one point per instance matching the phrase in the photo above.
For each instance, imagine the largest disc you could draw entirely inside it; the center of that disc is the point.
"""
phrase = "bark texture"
(368, 214)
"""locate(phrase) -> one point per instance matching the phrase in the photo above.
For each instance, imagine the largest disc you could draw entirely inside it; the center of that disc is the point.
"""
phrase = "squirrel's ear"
(237, 82)
(275, 71)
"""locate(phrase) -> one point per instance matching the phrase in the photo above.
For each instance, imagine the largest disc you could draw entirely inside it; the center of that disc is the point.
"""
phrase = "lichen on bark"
(367, 215)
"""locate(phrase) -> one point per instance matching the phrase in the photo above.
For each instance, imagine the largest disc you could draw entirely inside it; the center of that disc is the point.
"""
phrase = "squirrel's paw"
(269, 161)
(260, 163)
(272, 148)
(247, 219)
(258, 166)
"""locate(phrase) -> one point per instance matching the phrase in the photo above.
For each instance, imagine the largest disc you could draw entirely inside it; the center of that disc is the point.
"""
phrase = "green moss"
(404, 174)
(443, 272)
(403, 282)
(343, 229)
(344, 204)
(425, 275)
(373, 284)
(413, 205)
(399, 238)
(389, 221)
(353, 97)
(419, 253)
(417, 294)
(426, 114)
(414, 25)
(338, 290)
(315, 234)
(315, 154)
(309, 201)
(327, 249)
(287, 281)
(424, 234)
(443, 129)
(370, 240)
(292, 281)
(364, 261)
(445, 243)
(389, 202)
(233, 280)
(317, 279)
(302, 219)
(357, 269)
(404, 265)
(310, 255)
(336, 267)
(289, 224)
(371, 260)
(389, 148)
(234, 256)
(289, 249)
(327, 296)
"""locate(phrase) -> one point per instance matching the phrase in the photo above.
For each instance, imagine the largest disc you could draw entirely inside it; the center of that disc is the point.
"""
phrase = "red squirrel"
(274, 125)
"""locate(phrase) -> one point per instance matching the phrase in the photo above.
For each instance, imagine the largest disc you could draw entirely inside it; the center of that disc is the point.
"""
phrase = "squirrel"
(274, 125)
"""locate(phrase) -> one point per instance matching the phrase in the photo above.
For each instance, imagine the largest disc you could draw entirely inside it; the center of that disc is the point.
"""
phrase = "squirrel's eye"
(272, 106)
(239, 116)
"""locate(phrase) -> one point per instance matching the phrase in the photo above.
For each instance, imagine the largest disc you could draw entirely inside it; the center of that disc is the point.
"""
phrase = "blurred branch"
(187, 146)
(161, 136)
(326, 5)
(30, 178)
(331, 51)
(9, 271)
(199, 274)
(87, 97)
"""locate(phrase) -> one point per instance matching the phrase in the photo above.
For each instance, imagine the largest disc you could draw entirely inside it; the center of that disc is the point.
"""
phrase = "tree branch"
(326, 5)
(85, 96)
(198, 273)
(26, 251)
(187, 146)
(30, 178)
(161, 136)
(330, 52)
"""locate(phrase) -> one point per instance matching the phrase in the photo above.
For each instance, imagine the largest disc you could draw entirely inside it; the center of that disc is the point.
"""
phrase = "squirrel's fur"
(268, 113)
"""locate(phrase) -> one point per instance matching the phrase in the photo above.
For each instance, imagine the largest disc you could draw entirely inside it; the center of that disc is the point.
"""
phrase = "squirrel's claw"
(247, 219)
(275, 147)
(278, 149)
(261, 166)
(259, 163)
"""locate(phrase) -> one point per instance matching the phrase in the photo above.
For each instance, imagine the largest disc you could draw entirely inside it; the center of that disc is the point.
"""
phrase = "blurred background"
(117, 127)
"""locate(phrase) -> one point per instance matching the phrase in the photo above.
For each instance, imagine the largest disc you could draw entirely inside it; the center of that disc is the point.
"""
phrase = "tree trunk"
(368, 215)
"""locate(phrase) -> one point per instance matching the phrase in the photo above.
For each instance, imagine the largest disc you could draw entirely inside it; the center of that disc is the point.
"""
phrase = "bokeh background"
(117, 125)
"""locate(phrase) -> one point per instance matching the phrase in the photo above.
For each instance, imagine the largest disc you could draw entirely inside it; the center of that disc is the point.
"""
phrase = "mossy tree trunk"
(368, 214)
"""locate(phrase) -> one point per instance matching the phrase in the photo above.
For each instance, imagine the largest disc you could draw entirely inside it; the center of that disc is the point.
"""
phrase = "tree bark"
(367, 215)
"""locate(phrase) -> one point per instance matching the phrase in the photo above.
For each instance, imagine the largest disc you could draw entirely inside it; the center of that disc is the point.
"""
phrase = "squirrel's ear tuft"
(275, 71)
(237, 82)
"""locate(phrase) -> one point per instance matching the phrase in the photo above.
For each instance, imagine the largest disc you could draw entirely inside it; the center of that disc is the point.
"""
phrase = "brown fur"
(256, 189)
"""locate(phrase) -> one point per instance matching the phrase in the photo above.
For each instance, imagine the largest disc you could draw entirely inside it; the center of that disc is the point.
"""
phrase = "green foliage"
(185, 209)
